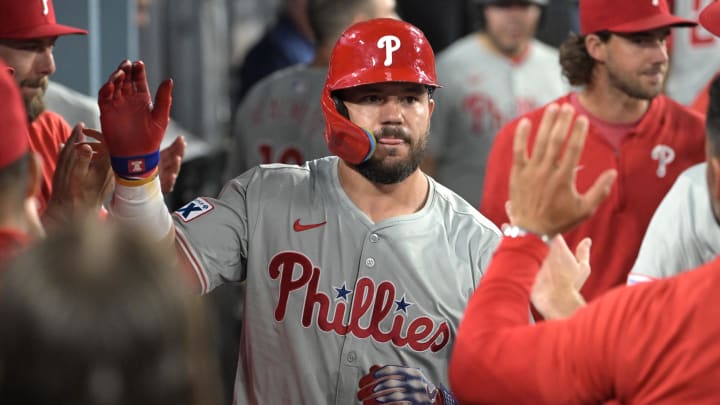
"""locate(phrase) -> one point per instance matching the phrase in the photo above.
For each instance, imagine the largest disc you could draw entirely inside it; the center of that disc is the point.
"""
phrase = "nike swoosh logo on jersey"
(298, 227)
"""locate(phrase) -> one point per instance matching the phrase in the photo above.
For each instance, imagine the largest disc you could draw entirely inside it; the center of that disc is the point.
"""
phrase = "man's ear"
(35, 175)
(431, 105)
(596, 47)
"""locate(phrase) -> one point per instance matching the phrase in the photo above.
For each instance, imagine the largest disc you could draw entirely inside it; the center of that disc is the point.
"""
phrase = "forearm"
(509, 361)
(140, 205)
(489, 338)
(563, 304)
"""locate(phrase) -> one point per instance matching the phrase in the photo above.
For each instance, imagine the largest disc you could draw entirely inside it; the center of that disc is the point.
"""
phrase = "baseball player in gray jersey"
(694, 56)
(279, 120)
(489, 78)
(685, 230)
(358, 266)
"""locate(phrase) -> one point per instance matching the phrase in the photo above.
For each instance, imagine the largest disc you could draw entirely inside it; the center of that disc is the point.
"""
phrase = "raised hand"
(82, 178)
(543, 195)
(133, 127)
(556, 292)
(170, 163)
(399, 385)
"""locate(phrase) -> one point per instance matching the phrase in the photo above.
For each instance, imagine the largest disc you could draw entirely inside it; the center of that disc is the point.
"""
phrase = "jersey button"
(374, 238)
(370, 262)
(351, 357)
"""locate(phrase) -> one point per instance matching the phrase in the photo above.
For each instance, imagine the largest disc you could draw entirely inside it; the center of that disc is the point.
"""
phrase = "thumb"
(599, 191)
(582, 252)
(163, 101)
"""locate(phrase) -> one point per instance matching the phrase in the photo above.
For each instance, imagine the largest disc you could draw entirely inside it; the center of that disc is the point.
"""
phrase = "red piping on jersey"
(193, 262)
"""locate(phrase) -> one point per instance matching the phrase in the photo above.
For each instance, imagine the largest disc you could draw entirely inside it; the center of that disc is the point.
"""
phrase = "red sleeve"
(497, 175)
(499, 359)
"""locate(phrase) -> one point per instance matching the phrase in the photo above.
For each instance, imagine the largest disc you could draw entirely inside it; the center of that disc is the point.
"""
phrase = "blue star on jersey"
(402, 305)
(342, 292)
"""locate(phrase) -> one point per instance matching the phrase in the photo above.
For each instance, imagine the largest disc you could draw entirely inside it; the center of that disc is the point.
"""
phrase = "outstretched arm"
(133, 128)
(507, 360)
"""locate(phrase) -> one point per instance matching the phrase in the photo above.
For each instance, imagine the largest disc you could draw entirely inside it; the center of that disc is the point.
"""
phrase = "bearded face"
(35, 101)
(384, 168)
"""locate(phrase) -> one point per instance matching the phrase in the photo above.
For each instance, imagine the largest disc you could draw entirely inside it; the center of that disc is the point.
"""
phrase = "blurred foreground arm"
(495, 347)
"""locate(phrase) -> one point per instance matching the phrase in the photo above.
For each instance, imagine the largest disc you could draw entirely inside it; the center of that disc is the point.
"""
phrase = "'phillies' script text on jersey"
(421, 334)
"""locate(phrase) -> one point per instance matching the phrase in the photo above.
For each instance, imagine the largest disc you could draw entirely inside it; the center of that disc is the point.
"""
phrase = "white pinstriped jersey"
(280, 121)
(329, 292)
(695, 55)
(482, 92)
(682, 234)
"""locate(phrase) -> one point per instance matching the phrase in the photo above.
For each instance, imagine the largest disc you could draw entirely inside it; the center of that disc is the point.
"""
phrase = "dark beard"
(631, 90)
(379, 172)
(36, 105)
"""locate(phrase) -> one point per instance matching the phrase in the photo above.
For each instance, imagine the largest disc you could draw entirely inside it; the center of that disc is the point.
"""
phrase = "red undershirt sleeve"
(499, 358)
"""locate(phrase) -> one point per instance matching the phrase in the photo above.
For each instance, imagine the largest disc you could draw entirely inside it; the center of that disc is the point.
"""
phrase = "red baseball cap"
(626, 16)
(28, 19)
(13, 119)
(710, 17)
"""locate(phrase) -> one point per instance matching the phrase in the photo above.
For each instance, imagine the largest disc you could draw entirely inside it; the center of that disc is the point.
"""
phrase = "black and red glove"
(132, 126)
(402, 385)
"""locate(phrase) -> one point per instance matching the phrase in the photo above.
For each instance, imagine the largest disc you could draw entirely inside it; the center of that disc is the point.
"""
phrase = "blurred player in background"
(489, 77)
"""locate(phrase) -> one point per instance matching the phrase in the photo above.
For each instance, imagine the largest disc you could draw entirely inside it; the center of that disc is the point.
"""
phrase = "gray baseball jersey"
(280, 121)
(695, 55)
(329, 292)
(683, 233)
(481, 92)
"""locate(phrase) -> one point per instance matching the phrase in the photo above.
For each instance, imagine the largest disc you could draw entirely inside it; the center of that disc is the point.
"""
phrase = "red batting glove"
(132, 126)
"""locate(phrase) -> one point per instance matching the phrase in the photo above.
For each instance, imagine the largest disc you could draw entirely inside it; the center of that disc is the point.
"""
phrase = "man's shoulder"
(460, 213)
(667, 107)
(295, 82)
(463, 49)
(287, 175)
(49, 122)
(543, 49)
(534, 116)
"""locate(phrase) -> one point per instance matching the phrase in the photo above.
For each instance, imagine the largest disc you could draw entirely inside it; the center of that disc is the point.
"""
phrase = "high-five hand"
(543, 195)
(132, 126)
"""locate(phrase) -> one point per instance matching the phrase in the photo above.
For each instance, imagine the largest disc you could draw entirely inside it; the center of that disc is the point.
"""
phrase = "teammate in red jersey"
(621, 60)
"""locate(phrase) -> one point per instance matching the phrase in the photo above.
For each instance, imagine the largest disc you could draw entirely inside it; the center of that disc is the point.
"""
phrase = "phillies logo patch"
(391, 44)
(372, 304)
(664, 155)
(136, 166)
(46, 10)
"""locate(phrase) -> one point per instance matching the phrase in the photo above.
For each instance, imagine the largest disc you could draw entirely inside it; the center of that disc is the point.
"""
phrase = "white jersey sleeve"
(213, 233)
(683, 232)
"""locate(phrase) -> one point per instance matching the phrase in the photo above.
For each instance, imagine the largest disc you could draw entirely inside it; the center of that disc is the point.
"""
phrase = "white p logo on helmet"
(45, 7)
(391, 43)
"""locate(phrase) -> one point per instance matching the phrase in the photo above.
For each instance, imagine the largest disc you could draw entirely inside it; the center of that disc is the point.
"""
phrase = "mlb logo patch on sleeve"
(194, 209)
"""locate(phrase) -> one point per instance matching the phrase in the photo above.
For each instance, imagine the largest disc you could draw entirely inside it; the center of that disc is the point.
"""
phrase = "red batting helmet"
(373, 51)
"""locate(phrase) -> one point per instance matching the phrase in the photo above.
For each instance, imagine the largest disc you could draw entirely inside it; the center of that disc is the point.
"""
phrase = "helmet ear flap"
(344, 138)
